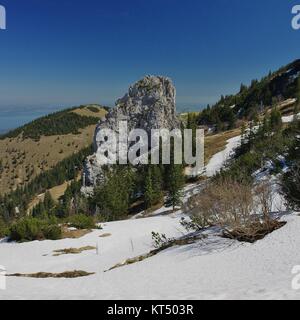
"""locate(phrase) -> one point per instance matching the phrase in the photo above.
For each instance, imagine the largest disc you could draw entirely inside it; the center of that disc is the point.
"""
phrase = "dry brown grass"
(44, 275)
(105, 235)
(74, 234)
(88, 113)
(24, 159)
(286, 107)
(72, 250)
(59, 191)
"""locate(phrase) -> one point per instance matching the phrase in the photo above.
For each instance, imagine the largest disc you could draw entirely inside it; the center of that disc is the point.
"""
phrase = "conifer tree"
(275, 119)
(243, 134)
(49, 203)
(192, 125)
(153, 186)
(243, 88)
(113, 198)
(149, 191)
(175, 183)
(297, 96)
(266, 124)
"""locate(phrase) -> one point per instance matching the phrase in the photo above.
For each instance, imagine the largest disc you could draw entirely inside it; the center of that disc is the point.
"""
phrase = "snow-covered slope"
(213, 268)
(218, 160)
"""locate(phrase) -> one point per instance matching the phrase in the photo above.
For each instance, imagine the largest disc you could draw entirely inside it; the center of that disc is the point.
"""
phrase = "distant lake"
(14, 117)
(8, 122)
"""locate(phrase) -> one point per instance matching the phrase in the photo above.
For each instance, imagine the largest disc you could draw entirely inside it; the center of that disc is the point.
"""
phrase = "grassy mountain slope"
(40, 145)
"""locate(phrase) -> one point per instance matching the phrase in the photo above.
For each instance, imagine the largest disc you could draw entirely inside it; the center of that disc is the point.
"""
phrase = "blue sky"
(66, 52)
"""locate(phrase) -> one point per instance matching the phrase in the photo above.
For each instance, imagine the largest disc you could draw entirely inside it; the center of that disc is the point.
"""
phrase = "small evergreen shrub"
(81, 221)
(52, 232)
(160, 240)
(290, 184)
(3, 229)
(30, 229)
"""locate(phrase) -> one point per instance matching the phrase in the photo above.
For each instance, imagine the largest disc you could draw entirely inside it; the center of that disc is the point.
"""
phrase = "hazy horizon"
(15, 116)
(77, 54)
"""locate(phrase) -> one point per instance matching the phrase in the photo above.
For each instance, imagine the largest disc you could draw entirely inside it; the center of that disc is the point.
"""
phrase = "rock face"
(149, 104)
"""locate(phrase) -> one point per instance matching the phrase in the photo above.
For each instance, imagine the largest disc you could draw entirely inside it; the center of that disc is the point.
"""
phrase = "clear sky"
(67, 52)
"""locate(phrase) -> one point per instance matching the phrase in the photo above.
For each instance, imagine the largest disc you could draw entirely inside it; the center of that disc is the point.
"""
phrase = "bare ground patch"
(72, 250)
(105, 235)
(45, 275)
(74, 234)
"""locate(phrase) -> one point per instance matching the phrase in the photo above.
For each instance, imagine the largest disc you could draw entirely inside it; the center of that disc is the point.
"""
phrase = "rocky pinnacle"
(149, 104)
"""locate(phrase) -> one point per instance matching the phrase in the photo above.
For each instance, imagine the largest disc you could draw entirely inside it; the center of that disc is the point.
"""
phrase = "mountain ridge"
(16, 171)
(46, 142)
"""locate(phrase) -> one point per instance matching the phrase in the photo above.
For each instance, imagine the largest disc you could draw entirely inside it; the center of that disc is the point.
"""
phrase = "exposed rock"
(149, 104)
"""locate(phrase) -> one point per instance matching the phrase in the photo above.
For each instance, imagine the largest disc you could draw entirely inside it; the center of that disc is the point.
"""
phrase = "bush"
(3, 229)
(27, 229)
(81, 221)
(52, 232)
(30, 229)
(160, 240)
(291, 186)
(255, 231)
(230, 204)
(225, 202)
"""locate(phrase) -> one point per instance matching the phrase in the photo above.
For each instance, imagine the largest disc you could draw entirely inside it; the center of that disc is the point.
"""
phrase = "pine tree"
(40, 211)
(243, 134)
(113, 198)
(275, 119)
(266, 125)
(192, 125)
(243, 88)
(149, 191)
(267, 96)
(219, 125)
(49, 203)
(175, 183)
(231, 119)
(290, 183)
(153, 186)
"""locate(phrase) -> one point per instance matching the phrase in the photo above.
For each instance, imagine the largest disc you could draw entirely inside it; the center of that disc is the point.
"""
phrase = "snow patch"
(218, 160)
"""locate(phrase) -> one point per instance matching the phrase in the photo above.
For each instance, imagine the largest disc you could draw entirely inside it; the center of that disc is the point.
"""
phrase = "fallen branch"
(172, 243)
